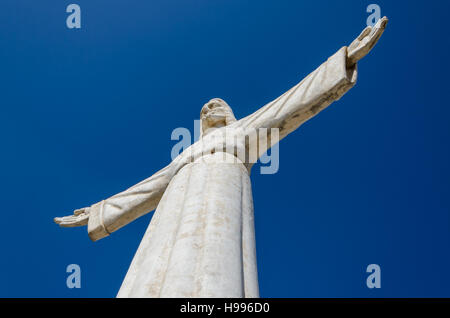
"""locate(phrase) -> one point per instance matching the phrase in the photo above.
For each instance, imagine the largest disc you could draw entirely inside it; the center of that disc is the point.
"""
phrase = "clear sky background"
(84, 114)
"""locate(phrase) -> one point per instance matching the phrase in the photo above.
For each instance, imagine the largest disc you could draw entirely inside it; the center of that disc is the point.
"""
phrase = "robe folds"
(201, 240)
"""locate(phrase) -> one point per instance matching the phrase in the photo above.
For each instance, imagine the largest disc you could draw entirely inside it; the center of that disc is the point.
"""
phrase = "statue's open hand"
(80, 217)
(362, 45)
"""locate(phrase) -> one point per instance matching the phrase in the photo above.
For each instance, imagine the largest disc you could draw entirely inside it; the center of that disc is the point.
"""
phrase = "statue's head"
(215, 114)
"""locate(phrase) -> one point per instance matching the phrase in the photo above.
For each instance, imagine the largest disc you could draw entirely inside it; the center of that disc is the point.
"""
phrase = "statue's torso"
(200, 242)
(236, 145)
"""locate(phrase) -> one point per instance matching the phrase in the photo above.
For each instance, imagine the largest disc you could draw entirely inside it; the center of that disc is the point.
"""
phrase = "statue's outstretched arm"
(319, 89)
(111, 214)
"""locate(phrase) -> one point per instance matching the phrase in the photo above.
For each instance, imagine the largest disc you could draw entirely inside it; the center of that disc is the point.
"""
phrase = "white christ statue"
(201, 238)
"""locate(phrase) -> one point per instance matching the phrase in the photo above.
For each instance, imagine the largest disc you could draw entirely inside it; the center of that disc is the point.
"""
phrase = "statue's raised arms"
(200, 241)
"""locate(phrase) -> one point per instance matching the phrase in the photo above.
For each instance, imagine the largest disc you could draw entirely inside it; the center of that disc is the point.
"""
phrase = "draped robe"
(201, 239)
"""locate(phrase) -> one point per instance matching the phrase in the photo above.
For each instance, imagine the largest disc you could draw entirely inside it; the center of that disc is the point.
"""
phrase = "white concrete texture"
(201, 239)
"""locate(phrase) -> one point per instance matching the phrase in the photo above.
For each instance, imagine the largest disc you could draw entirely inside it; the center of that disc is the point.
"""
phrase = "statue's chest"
(226, 141)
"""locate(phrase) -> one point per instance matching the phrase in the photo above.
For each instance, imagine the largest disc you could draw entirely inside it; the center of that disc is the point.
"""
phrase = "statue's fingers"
(63, 219)
(369, 41)
(357, 41)
(81, 211)
(81, 221)
(78, 211)
(71, 220)
(381, 23)
(57, 220)
(378, 29)
(373, 39)
(364, 33)
(68, 224)
(353, 45)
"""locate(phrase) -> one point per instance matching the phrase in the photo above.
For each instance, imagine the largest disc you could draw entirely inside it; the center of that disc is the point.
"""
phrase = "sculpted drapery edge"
(317, 91)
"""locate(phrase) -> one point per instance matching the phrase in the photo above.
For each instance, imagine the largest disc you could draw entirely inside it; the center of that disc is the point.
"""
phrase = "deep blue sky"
(87, 113)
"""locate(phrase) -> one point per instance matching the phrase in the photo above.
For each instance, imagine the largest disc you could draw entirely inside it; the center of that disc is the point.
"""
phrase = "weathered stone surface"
(201, 241)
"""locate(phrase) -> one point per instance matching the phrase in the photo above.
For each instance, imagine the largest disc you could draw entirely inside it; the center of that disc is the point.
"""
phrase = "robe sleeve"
(117, 211)
(317, 91)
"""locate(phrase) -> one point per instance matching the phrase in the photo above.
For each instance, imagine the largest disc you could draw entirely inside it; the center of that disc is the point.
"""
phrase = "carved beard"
(208, 122)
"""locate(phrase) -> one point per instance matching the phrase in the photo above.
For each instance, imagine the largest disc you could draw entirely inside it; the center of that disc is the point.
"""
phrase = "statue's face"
(214, 114)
